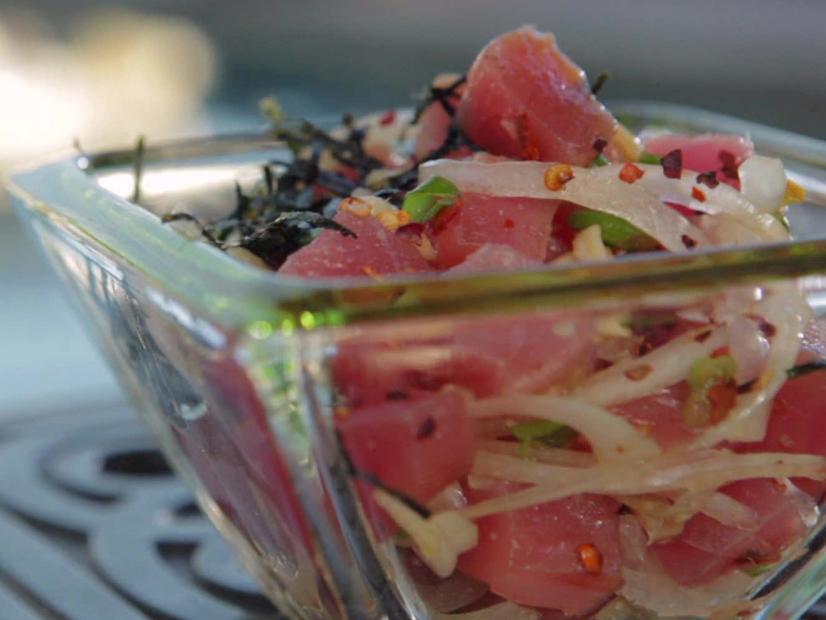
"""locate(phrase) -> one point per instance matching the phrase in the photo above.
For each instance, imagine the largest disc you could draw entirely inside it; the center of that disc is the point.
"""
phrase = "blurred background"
(102, 73)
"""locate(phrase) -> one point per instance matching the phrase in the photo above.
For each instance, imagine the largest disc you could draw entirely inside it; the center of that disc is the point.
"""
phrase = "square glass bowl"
(239, 370)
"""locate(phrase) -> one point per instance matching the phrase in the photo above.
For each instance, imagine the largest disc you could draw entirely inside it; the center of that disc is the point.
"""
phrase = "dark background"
(106, 71)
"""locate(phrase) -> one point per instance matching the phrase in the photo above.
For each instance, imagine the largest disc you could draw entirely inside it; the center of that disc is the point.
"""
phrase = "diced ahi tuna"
(374, 250)
(533, 556)
(525, 99)
(486, 356)
(523, 224)
(493, 257)
(418, 447)
(702, 153)
(707, 549)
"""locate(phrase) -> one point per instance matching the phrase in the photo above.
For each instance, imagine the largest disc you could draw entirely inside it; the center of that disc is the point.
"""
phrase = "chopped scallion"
(616, 232)
(424, 202)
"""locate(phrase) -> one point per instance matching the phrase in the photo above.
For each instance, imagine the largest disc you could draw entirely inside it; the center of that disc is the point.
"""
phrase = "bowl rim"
(117, 232)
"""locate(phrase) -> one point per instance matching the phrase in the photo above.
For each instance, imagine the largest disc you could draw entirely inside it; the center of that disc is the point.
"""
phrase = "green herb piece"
(425, 202)
(599, 82)
(805, 369)
(649, 158)
(781, 216)
(616, 232)
(600, 161)
(543, 431)
(271, 110)
(707, 371)
(755, 570)
(705, 403)
(137, 170)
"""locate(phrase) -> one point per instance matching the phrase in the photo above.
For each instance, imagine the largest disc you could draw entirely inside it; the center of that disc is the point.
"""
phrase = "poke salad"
(555, 463)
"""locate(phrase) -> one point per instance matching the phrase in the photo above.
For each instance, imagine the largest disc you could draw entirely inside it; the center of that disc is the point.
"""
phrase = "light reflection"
(117, 74)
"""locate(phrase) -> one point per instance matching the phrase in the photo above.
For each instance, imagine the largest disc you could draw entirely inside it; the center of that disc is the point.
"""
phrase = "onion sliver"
(666, 365)
(599, 189)
(610, 436)
(707, 469)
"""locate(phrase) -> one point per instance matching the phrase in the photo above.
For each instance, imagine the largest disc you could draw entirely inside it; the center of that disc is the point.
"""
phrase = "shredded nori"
(137, 173)
(296, 197)
(366, 476)
(599, 83)
(805, 369)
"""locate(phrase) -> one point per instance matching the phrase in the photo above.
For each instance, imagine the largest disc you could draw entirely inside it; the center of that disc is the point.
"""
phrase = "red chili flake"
(708, 178)
(557, 176)
(601, 364)
(730, 164)
(722, 397)
(688, 242)
(630, 173)
(388, 118)
(767, 329)
(590, 557)
(698, 194)
(427, 428)
(702, 337)
(638, 373)
(720, 351)
(683, 210)
(599, 145)
(672, 164)
(509, 223)
(746, 387)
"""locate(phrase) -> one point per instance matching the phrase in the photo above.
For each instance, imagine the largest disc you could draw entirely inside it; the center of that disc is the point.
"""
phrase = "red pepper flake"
(672, 164)
(722, 397)
(688, 242)
(590, 557)
(509, 223)
(427, 428)
(708, 179)
(388, 118)
(702, 337)
(638, 373)
(720, 352)
(557, 176)
(730, 165)
(767, 329)
(630, 173)
(698, 194)
(599, 145)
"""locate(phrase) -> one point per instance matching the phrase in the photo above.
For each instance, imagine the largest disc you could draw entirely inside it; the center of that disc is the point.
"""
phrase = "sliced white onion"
(439, 539)
(542, 454)
(784, 308)
(695, 471)
(763, 182)
(599, 189)
(647, 585)
(748, 347)
(611, 436)
(666, 365)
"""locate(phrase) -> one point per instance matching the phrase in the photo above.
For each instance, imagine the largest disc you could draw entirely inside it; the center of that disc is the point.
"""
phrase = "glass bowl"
(245, 375)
